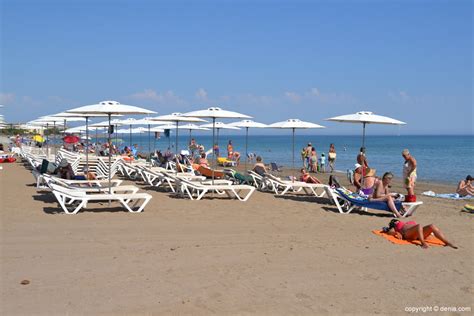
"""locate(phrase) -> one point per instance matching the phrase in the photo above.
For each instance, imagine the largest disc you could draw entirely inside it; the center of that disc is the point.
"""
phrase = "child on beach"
(322, 163)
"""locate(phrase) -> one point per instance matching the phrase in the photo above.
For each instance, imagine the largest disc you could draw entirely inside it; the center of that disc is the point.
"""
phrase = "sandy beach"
(271, 255)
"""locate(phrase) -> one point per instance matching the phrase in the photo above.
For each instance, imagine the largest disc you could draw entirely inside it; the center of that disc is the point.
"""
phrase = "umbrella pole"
(176, 137)
(87, 143)
(246, 146)
(47, 141)
(149, 142)
(213, 152)
(54, 140)
(96, 139)
(363, 135)
(363, 145)
(293, 152)
(130, 136)
(64, 134)
(110, 159)
(190, 136)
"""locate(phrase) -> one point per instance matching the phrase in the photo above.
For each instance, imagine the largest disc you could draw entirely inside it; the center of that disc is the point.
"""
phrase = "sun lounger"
(196, 190)
(351, 201)
(72, 201)
(281, 187)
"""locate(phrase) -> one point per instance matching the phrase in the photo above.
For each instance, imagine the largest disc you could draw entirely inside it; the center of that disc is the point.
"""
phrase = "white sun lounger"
(196, 190)
(281, 187)
(67, 199)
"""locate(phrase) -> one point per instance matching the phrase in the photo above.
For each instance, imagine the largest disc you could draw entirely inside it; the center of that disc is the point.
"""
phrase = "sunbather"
(382, 193)
(414, 231)
(203, 161)
(306, 177)
(64, 170)
(465, 187)
(260, 167)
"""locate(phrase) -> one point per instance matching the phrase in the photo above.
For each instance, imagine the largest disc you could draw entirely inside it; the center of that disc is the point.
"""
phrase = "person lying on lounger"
(306, 177)
(414, 231)
(64, 170)
(381, 192)
(465, 187)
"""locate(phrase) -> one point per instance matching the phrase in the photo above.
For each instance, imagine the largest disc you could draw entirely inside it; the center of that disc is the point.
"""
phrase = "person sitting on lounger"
(64, 170)
(203, 161)
(465, 187)
(306, 177)
(382, 193)
(260, 167)
(414, 231)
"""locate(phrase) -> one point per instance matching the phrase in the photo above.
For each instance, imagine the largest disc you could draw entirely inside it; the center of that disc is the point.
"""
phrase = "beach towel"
(451, 196)
(431, 240)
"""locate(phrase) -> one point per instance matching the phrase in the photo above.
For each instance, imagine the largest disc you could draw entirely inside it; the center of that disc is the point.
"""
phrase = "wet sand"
(271, 255)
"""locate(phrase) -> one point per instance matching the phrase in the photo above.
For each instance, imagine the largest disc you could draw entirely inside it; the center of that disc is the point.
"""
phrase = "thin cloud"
(158, 97)
(201, 94)
(7, 98)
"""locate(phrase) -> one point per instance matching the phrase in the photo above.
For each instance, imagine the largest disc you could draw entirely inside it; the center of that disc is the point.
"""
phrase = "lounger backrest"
(64, 190)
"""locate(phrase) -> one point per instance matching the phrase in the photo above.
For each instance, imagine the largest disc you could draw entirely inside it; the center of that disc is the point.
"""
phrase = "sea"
(443, 159)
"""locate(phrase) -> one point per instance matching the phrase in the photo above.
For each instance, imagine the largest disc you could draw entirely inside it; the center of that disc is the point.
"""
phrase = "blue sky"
(274, 60)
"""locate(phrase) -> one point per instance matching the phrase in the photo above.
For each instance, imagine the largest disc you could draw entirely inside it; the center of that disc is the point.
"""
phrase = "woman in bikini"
(414, 231)
(306, 177)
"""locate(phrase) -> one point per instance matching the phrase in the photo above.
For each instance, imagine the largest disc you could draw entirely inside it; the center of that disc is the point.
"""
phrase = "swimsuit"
(410, 178)
(399, 225)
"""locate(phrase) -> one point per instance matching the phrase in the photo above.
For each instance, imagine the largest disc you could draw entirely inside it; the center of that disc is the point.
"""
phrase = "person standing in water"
(409, 172)
(332, 157)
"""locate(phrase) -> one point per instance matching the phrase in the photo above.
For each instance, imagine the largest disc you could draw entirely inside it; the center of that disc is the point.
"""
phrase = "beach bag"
(48, 167)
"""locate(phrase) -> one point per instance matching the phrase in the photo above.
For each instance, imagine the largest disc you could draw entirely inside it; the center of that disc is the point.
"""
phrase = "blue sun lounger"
(351, 200)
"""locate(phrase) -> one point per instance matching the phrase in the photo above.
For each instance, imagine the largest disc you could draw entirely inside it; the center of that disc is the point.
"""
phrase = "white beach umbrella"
(177, 118)
(110, 108)
(218, 126)
(247, 124)
(365, 117)
(47, 121)
(148, 121)
(294, 124)
(68, 116)
(215, 113)
(193, 127)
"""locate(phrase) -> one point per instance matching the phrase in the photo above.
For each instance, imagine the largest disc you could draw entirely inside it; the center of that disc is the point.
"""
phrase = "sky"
(273, 60)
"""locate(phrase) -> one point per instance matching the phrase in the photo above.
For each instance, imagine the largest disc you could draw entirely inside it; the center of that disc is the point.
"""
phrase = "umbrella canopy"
(106, 123)
(136, 130)
(219, 125)
(71, 139)
(177, 118)
(247, 124)
(294, 124)
(38, 138)
(214, 113)
(110, 108)
(365, 117)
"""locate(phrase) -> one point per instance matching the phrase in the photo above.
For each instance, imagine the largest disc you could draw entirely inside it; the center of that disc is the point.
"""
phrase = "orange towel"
(432, 240)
